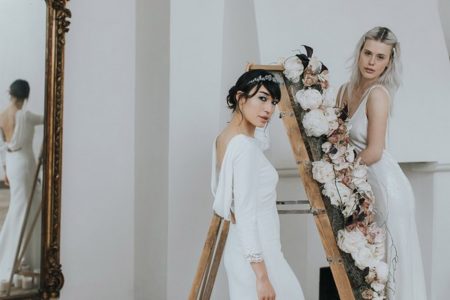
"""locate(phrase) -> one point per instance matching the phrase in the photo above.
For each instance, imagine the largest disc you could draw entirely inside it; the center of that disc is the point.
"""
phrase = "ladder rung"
(289, 202)
(294, 211)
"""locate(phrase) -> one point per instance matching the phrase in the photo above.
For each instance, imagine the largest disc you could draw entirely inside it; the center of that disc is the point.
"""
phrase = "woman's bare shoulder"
(379, 94)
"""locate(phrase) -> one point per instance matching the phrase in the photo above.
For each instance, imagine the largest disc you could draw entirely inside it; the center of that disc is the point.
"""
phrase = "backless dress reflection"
(18, 157)
(395, 210)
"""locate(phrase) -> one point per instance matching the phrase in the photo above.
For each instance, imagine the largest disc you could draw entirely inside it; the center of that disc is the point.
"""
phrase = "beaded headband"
(263, 78)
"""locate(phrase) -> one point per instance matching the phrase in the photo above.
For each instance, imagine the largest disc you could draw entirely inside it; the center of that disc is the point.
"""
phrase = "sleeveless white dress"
(395, 209)
(246, 184)
(20, 163)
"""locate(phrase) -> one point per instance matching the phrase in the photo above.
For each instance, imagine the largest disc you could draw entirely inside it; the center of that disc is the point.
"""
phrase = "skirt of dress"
(242, 280)
(394, 202)
(20, 168)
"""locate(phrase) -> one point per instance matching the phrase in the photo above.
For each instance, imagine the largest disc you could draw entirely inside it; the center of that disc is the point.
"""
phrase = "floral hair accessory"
(263, 78)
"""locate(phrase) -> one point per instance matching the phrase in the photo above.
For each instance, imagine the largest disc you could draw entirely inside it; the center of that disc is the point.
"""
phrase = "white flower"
(364, 258)
(330, 114)
(349, 207)
(332, 126)
(329, 97)
(371, 276)
(382, 270)
(359, 179)
(315, 65)
(377, 297)
(338, 158)
(377, 234)
(377, 287)
(359, 173)
(351, 241)
(338, 193)
(322, 171)
(377, 251)
(309, 98)
(350, 153)
(326, 147)
(293, 68)
(355, 243)
(315, 123)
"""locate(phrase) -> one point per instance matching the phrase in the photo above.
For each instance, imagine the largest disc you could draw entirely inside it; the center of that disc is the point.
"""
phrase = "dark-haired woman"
(16, 149)
(367, 98)
(244, 185)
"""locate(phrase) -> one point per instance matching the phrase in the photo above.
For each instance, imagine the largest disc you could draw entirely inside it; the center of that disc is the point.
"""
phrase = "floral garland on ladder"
(342, 177)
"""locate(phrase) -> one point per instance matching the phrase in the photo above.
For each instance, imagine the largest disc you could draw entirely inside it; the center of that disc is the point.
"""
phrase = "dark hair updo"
(247, 83)
(19, 89)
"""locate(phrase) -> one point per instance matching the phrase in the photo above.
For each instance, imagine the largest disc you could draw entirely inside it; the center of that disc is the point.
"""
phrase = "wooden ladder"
(218, 230)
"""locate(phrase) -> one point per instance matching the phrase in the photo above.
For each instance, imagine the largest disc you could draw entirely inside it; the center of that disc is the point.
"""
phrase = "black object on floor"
(327, 287)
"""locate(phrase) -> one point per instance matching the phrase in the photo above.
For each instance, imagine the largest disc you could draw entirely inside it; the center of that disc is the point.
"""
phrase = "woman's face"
(374, 58)
(258, 109)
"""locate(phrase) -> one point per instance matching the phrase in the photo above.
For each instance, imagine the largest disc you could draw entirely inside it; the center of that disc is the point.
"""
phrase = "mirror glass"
(22, 89)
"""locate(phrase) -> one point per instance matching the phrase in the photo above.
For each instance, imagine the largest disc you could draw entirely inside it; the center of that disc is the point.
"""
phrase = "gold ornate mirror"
(31, 102)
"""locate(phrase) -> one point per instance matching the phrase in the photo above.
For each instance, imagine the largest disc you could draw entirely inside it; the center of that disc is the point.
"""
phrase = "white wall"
(440, 287)
(151, 148)
(97, 230)
(195, 83)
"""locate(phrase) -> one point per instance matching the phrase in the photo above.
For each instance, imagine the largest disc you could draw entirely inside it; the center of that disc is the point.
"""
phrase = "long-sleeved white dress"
(20, 162)
(246, 183)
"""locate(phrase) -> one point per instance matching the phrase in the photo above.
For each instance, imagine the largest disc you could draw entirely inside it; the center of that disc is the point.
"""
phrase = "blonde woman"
(367, 99)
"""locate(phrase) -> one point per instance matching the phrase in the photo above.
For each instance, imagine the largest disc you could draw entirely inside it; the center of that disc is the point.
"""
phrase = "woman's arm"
(264, 288)
(35, 119)
(377, 114)
(245, 190)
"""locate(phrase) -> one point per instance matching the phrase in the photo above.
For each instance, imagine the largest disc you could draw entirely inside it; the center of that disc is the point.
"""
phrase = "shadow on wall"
(444, 11)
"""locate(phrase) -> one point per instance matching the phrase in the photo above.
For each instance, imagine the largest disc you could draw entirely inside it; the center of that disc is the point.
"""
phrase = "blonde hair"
(390, 78)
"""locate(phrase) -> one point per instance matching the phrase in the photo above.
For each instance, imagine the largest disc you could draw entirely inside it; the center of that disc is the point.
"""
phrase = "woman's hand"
(264, 289)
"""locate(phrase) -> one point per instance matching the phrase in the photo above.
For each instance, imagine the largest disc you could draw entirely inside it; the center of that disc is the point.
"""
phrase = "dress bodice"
(358, 122)
(246, 183)
(22, 137)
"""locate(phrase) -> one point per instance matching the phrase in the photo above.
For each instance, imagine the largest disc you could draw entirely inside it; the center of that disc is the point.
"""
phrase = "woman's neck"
(15, 104)
(364, 84)
(240, 125)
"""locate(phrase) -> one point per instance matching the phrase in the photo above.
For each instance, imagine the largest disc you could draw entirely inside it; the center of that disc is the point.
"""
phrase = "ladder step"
(290, 202)
(294, 211)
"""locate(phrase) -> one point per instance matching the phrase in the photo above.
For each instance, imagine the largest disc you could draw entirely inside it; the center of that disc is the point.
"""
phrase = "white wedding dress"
(20, 162)
(394, 203)
(246, 184)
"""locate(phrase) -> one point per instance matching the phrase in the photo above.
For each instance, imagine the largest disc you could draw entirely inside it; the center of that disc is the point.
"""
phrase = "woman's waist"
(28, 152)
(11, 148)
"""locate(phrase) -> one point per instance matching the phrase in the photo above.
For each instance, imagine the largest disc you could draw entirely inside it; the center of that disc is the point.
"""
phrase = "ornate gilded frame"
(52, 279)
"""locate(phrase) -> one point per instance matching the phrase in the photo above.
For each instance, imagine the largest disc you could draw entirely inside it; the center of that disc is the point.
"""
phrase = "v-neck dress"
(395, 208)
(246, 184)
(18, 157)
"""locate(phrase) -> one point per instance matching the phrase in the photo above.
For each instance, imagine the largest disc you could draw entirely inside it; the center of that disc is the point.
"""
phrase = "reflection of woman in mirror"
(244, 182)
(16, 140)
